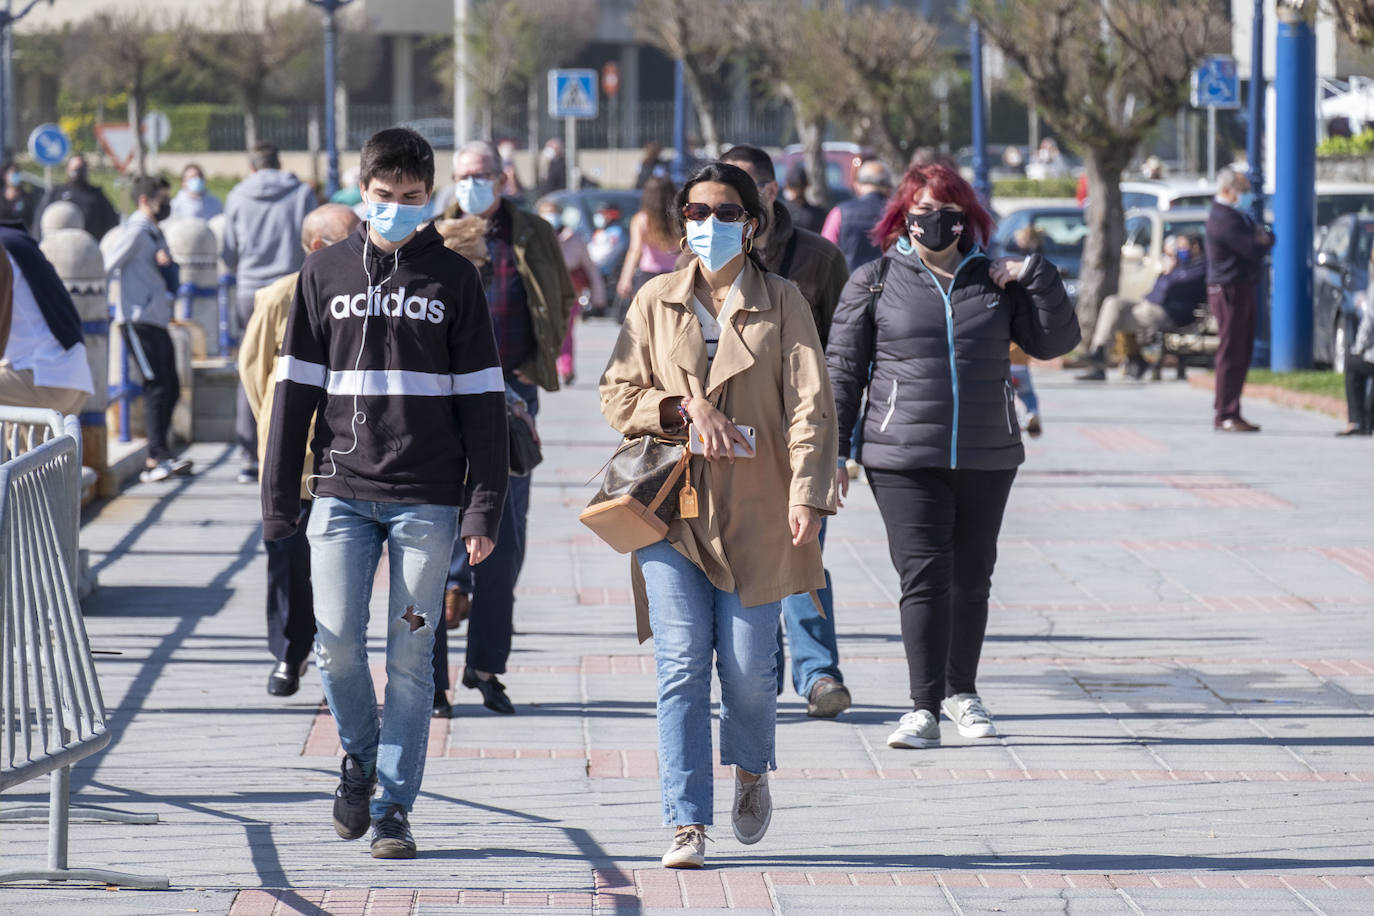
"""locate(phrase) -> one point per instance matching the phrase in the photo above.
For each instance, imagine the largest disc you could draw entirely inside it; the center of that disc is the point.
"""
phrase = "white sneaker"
(916, 729)
(688, 849)
(969, 715)
(157, 473)
(753, 809)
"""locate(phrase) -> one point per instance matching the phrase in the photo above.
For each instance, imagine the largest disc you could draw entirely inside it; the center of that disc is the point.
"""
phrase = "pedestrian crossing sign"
(572, 93)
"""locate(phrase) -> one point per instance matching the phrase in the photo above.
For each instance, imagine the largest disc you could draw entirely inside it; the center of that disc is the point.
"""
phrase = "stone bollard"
(77, 259)
(226, 290)
(196, 252)
(60, 214)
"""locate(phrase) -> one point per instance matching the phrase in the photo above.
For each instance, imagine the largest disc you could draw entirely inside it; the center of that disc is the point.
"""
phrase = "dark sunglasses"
(726, 213)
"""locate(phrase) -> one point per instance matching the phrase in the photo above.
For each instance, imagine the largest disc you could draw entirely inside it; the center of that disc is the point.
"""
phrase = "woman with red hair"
(926, 329)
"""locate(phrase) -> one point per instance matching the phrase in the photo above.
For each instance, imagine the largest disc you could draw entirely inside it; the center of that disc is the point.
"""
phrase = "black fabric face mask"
(936, 230)
(164, 210)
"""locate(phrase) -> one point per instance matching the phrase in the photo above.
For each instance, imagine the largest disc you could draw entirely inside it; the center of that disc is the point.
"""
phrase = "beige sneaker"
(753, 809)
(688, 849)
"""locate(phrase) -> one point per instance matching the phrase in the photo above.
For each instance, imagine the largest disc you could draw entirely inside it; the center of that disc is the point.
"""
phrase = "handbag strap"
(673, 475)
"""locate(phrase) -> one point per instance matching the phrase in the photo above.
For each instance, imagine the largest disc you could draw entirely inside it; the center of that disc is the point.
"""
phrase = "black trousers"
(160, 393)
(290, 598)
(942, 528)
(245, 425)
(1359, 393)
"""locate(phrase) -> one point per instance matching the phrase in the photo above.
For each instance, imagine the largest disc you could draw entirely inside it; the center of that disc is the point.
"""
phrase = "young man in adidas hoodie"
(389, 348)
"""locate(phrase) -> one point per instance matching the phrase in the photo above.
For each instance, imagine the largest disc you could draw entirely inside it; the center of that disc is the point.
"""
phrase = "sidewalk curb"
(1320, 403)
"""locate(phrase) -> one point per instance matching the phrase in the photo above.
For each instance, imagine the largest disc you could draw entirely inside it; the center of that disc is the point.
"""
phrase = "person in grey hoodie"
(263, 216)
(141, 275)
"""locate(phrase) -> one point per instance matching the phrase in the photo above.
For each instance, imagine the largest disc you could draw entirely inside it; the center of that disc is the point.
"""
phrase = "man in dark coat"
(1236, 248)
(850, 223)
(98, 214)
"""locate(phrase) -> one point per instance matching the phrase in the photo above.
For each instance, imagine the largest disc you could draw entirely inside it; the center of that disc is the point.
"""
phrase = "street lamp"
(331, 143)
(7, 20)
(981, 186)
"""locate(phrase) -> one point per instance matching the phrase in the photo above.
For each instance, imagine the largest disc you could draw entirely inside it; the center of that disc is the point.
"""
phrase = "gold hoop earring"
(682, 244)
(748, 244)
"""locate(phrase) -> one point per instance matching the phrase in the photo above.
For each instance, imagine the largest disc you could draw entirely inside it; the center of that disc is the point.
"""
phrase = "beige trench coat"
(777, 383)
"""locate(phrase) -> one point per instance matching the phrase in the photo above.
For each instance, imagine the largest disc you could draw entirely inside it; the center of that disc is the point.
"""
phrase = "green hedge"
(1030, 187)
(190, 127)
(1360, 145)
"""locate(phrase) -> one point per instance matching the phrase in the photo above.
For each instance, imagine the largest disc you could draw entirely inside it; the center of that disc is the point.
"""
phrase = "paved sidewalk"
(1180, 662)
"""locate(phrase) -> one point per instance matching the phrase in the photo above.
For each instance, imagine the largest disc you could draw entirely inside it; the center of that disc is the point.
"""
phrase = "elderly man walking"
(530, 296)
(290, 598)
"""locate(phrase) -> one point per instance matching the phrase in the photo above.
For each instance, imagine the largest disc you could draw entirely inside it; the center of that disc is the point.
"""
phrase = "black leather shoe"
(443, 709)
(284, 680)
(493, 692)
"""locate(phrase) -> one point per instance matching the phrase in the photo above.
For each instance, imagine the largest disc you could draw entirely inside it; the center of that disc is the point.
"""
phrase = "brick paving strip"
(1179, 659)
(736, 888)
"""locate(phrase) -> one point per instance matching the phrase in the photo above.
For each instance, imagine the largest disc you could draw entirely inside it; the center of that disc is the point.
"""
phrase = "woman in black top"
(940, 439)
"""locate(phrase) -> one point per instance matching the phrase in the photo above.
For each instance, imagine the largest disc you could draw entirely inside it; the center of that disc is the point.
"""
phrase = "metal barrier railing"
(51, 711)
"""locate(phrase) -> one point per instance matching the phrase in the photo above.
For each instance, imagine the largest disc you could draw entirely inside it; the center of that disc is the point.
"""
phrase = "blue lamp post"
(981, 184)
(331, 143)
(679, 168)
(1295, 165)
(1254, 152)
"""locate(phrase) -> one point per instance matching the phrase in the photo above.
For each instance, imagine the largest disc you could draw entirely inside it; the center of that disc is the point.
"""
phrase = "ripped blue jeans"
(346, 537)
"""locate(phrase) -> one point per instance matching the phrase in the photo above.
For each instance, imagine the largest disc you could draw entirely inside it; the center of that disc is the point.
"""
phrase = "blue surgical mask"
(1183, 255)
(599, 220)
(475, 195)
(716, 243)
(1245, 201)
(196, 185)
(394, 222)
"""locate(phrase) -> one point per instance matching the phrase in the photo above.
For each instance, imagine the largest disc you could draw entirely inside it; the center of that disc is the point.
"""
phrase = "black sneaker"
(391, 837)
(351, 799)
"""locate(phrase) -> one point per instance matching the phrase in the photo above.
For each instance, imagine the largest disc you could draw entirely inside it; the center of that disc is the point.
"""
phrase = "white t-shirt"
(711, 324)
(33, 346)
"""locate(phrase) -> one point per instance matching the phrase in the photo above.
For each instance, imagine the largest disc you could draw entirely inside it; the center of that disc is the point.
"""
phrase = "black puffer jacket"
(940, 394)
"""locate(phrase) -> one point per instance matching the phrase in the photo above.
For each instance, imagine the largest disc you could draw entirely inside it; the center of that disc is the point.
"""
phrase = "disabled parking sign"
(1216, 84)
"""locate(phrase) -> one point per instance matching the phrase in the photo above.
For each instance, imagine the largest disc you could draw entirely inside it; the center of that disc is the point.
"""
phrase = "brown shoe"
(827, 699)
(457, 604)
(1236, 425)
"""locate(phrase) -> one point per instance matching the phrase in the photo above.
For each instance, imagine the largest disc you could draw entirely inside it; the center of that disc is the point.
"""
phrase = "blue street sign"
(572, 93)
(1216, 84)
(48, 145)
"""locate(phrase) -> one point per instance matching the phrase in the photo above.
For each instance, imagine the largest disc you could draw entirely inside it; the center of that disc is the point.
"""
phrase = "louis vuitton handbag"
(648, 482)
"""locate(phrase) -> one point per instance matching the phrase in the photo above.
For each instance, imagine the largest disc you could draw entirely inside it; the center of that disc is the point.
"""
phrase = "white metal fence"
(51, 712)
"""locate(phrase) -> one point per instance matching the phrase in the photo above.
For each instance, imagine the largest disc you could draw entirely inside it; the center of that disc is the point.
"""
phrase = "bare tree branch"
(1103, 73)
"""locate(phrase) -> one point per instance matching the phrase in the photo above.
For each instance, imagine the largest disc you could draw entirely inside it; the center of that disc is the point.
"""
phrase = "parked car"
(1167, 194)
(1340, 275)
(577, 209)
(1337, 198)
(1142, 254)
(841, 162)
(1062, 231)
(438, 131)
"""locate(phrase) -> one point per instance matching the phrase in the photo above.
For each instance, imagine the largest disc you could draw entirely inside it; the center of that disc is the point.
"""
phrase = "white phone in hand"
(697, 445)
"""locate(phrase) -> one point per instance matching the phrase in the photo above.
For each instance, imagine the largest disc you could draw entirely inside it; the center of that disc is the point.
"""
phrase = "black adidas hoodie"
(428, 385)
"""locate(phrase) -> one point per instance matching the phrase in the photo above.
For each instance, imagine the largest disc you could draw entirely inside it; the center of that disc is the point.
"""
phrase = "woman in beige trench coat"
(718, 343)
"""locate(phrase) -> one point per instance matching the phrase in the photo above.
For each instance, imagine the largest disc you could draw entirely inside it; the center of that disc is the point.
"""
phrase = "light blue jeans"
(346, 537)
(814, 652)
(691, 620)
(1025, 388)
